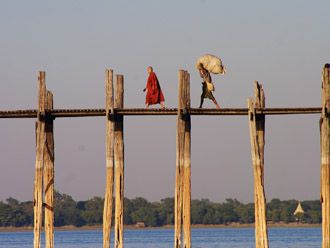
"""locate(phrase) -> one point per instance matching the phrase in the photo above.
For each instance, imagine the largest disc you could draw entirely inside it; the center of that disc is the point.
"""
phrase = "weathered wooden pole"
(49, 174)
(179, 165)
(38, 177)
(182, 182)
(119, 163)
(187, 167)
(107, 211)
(257, 138)
(325, 156)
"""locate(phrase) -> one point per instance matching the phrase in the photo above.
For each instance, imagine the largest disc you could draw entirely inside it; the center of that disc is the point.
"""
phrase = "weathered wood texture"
(187, 167)
(182, 179)
(107, 211)
(178, 168)
(38, 177)
(325, 156)
(119, 163)
(257, 138)
(49, 175)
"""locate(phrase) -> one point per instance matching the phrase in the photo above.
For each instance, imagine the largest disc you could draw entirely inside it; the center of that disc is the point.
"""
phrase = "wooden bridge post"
(49, 174)
(182, 182)
(178, 169)
(38, 177)
(325, 156)
(107, 211)
(187, 167)
(257, 138)
(119, 163)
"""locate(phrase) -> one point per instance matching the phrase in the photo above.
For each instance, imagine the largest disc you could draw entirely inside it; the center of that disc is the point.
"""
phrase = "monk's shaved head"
(149, 69)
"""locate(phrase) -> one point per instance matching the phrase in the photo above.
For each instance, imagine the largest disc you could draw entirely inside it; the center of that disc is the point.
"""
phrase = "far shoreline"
(134, 227)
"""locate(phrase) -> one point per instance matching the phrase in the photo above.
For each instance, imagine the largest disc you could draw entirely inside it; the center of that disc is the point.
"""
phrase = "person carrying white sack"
(207, 64)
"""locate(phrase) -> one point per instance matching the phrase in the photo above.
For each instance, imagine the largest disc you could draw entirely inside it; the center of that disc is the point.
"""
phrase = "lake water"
(161, 238)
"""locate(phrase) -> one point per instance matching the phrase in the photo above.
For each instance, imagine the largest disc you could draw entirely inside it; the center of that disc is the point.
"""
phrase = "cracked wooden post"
(178, 168)
(119, 163)
(325, 156)
(187, 166)
(49, 174)
(257, 138)
(107, 211)
(182, 181)
(38, 177)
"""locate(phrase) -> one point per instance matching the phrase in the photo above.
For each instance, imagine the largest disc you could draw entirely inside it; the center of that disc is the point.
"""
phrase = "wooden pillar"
(257, 138)
(107, 211)
(325, 156)
(119, 163)
(187, 167)
(49, 174)
(38, 177)
(182, 182)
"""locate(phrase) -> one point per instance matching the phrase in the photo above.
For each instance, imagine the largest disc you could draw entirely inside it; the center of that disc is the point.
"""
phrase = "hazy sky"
(283, 44)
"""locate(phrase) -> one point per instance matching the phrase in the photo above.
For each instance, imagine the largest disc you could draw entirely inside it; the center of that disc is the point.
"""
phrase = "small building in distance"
(299, 212)
(140, 224)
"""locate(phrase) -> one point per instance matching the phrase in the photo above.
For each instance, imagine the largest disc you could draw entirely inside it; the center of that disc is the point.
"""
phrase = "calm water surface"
(161, 238)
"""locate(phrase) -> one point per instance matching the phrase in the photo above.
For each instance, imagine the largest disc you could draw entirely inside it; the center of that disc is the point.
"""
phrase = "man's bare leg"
(215, 102)
(162, 104)
(202, 101)
(147, 106)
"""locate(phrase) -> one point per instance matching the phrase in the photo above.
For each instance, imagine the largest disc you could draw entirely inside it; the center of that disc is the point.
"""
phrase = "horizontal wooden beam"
(58, 113)
(28, 113)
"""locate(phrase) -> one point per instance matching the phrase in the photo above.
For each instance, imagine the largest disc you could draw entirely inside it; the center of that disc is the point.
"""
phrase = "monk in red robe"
(154, 92)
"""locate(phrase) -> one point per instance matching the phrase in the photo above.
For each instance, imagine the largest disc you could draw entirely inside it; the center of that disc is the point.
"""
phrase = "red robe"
(154, 93)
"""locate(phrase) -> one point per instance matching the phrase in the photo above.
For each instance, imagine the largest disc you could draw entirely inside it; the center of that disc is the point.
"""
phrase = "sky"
(283, 44)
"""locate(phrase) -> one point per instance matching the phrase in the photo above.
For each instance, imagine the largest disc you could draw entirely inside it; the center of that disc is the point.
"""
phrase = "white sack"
(211, 63)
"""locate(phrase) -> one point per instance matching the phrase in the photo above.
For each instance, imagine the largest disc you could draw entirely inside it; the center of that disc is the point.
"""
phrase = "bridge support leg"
(183, 165)
(49, 174)
(187, 168)
(38, 176)
(257, 138)
(119, 163)
(107, 211)
(325, 156)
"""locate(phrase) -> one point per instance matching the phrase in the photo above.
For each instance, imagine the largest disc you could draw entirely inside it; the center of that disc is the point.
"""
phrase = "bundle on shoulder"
(211, 63)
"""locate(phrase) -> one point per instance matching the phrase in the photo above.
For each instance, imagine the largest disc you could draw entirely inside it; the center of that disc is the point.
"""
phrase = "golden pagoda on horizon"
(299, 210)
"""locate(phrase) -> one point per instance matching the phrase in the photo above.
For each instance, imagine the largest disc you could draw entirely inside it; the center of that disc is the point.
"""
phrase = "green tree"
(65, 212)
(166, 211)
(93, 211)
(128, 209)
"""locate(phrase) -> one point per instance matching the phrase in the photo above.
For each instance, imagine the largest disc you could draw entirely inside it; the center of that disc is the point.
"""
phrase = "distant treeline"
(79, 213)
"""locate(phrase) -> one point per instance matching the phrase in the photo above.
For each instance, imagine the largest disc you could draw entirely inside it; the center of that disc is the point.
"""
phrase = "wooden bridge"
(114, 113)
(58, 113)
